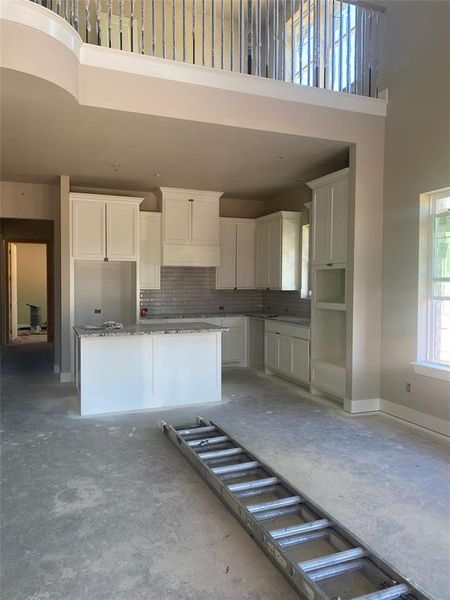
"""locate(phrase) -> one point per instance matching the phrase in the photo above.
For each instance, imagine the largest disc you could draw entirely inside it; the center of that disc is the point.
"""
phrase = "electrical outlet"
(407, 387)
(97, 311)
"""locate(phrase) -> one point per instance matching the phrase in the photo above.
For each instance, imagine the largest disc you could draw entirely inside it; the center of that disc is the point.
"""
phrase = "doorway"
(29, 297)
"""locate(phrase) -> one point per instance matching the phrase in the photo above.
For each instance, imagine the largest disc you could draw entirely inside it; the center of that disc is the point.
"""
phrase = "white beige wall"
(31, 280)
(415, 38)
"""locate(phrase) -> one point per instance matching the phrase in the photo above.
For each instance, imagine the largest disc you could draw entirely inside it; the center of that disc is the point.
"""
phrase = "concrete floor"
(105, 507)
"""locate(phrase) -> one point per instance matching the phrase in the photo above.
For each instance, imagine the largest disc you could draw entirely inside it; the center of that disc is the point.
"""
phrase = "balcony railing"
(331, 44)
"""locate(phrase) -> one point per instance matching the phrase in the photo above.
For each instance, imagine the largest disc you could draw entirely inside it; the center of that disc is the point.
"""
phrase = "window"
(335, 24)
(434, 284)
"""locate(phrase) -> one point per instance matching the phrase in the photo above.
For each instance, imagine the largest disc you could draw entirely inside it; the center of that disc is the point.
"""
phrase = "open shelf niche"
(329, 288)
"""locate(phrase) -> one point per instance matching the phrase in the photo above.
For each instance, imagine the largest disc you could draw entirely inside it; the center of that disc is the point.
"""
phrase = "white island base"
(116, 373)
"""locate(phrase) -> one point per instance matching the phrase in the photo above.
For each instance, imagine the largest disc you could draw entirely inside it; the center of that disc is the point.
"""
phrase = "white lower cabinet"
(234, 341)
(286, 350)
(300, 359)
(271, 341)
(328, 377)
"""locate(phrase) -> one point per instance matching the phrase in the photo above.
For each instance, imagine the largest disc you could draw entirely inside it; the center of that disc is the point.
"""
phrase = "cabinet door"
(275, 254)
(339, 218)
(226, 273)
(246, 255)
(150, 251)
(88, 230)
(271, 350)
(300, 359)
(322, 225)
(122, 231)
(262, 255)
(285, 354)
(232, 346)
(205, 221)
(176, 221)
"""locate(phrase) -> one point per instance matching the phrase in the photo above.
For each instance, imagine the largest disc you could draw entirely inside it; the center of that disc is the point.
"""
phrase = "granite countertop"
(302, 321)
(165, 328)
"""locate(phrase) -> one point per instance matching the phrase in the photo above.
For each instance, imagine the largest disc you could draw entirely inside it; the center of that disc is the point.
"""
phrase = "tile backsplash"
(192, 290)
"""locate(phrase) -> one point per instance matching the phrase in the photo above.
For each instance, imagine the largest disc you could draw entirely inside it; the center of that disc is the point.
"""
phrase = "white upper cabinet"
(150, 250)
(122, 230)
(226, 273)
(88, 229)
(105, 227)
(277, 251)
(330, 218)
(177, 220)
(205, 221)
(190, 227)
(246, 254)
(237, 254)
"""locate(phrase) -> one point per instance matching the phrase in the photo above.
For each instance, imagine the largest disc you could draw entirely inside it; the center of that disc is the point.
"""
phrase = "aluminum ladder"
(239, 478)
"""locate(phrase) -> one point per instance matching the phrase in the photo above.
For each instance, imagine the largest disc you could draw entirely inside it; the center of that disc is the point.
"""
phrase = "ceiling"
(45, 133)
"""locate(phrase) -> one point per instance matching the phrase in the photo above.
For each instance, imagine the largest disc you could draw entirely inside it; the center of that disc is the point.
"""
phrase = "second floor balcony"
(328, 44)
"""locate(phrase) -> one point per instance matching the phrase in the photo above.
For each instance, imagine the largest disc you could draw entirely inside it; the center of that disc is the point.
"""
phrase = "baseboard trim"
(416, 417)
(65, 377)
(362, 406)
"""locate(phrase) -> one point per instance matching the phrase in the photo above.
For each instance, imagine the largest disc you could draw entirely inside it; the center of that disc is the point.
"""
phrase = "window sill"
(434, 370)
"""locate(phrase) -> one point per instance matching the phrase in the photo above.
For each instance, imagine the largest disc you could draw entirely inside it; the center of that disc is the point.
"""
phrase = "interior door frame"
(50, 282)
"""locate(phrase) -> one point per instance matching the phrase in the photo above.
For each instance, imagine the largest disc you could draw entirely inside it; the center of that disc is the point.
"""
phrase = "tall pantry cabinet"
(329, 306)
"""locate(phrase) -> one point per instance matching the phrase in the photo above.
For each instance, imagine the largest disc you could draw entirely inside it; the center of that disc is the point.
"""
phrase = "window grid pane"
(439, 277)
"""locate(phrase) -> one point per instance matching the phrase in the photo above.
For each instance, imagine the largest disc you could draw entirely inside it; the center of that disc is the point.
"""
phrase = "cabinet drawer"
(329, 378)
(297, 331)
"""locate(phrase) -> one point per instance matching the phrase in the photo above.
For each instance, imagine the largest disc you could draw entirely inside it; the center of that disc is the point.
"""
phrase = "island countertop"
(150, 329)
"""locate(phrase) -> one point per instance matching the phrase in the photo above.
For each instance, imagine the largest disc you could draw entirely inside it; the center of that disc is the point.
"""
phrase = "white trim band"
(433, 370)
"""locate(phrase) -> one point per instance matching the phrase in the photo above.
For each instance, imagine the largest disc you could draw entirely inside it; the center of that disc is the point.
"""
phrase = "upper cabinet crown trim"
(237, 220)
(182, 193)
(106, 198)
(281, 214)
(321, 181)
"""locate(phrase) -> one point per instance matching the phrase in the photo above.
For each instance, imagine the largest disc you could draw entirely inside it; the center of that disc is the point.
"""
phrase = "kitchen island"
(147, 366)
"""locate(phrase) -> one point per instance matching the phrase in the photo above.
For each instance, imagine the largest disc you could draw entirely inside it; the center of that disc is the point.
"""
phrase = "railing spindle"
(183, 35)
(249, 37)
(163, 25)
(258, 37)
(300, 51)
(98, 22)
(153, 29)
(267, 49)
(213, 32)
(275, 33)
(142, 36)
(121, 23)
(348, 50)
(203, 32)
(193, 31)
(87, 21)
(325, 44)
(110, 8)
(231, 34)
(174, 31)
(132, 25)
(222, 28)
(241, 35)
(340, 47)
(292, 39)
